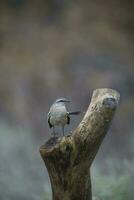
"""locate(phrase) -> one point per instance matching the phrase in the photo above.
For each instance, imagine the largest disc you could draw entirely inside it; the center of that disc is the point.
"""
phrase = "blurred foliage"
(21, 170)
(113, 186)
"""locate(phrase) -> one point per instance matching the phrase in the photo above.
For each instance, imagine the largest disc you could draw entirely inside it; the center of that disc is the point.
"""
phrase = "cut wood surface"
(68, 159)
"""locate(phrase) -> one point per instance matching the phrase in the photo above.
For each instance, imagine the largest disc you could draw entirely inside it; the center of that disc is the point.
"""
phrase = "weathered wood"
(68, 159)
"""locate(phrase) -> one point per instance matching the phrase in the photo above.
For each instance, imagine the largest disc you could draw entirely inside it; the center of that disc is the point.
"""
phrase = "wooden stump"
(68, 159)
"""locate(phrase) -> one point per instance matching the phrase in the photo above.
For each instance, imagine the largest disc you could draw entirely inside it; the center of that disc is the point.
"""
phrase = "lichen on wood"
(68, 159)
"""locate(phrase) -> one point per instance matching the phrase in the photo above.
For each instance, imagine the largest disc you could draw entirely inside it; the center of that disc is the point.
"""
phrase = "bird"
(58, 114)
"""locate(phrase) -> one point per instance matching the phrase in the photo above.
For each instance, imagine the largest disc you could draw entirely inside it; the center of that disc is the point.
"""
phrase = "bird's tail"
(74, 113)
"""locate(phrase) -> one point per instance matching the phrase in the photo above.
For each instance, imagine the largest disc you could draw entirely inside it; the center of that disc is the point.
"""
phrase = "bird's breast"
(58, 116)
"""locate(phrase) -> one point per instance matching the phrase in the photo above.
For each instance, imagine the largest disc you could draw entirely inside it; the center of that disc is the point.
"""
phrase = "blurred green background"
(60, 48)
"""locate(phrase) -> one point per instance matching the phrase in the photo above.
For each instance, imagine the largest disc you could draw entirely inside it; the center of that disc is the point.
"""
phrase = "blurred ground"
(55, 48)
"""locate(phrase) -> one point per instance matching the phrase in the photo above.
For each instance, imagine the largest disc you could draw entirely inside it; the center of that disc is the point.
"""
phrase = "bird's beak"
(66, 100)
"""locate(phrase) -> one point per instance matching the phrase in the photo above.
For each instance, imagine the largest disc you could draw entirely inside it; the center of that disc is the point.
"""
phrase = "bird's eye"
(60, 100)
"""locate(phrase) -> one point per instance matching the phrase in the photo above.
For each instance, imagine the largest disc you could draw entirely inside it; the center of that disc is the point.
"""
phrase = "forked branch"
(68, 160)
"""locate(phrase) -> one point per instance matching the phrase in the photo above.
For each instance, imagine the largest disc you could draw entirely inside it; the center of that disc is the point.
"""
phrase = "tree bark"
(68, 159)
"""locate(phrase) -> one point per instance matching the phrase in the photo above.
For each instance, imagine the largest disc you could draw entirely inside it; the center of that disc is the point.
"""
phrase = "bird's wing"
(48, 119)
(68, 118)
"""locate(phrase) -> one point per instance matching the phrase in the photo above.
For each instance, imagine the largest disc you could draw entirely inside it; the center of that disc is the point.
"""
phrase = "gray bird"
(58, 114)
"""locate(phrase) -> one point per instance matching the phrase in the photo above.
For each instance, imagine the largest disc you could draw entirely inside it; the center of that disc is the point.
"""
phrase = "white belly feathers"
(58, 116)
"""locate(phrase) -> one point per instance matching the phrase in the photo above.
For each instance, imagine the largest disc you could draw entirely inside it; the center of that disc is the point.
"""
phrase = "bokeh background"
(64, 48)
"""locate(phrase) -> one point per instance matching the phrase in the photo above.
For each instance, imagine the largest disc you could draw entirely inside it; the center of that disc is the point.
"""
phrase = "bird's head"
(63, 100)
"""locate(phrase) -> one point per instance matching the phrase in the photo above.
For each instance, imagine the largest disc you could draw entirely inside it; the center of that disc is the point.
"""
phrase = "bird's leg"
(54, 132)
(63, 130)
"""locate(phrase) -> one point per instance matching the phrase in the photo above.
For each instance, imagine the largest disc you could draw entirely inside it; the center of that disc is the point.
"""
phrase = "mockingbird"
(58, 114)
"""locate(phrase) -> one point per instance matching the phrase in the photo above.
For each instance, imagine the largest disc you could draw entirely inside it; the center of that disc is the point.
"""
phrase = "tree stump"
(68, 159)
